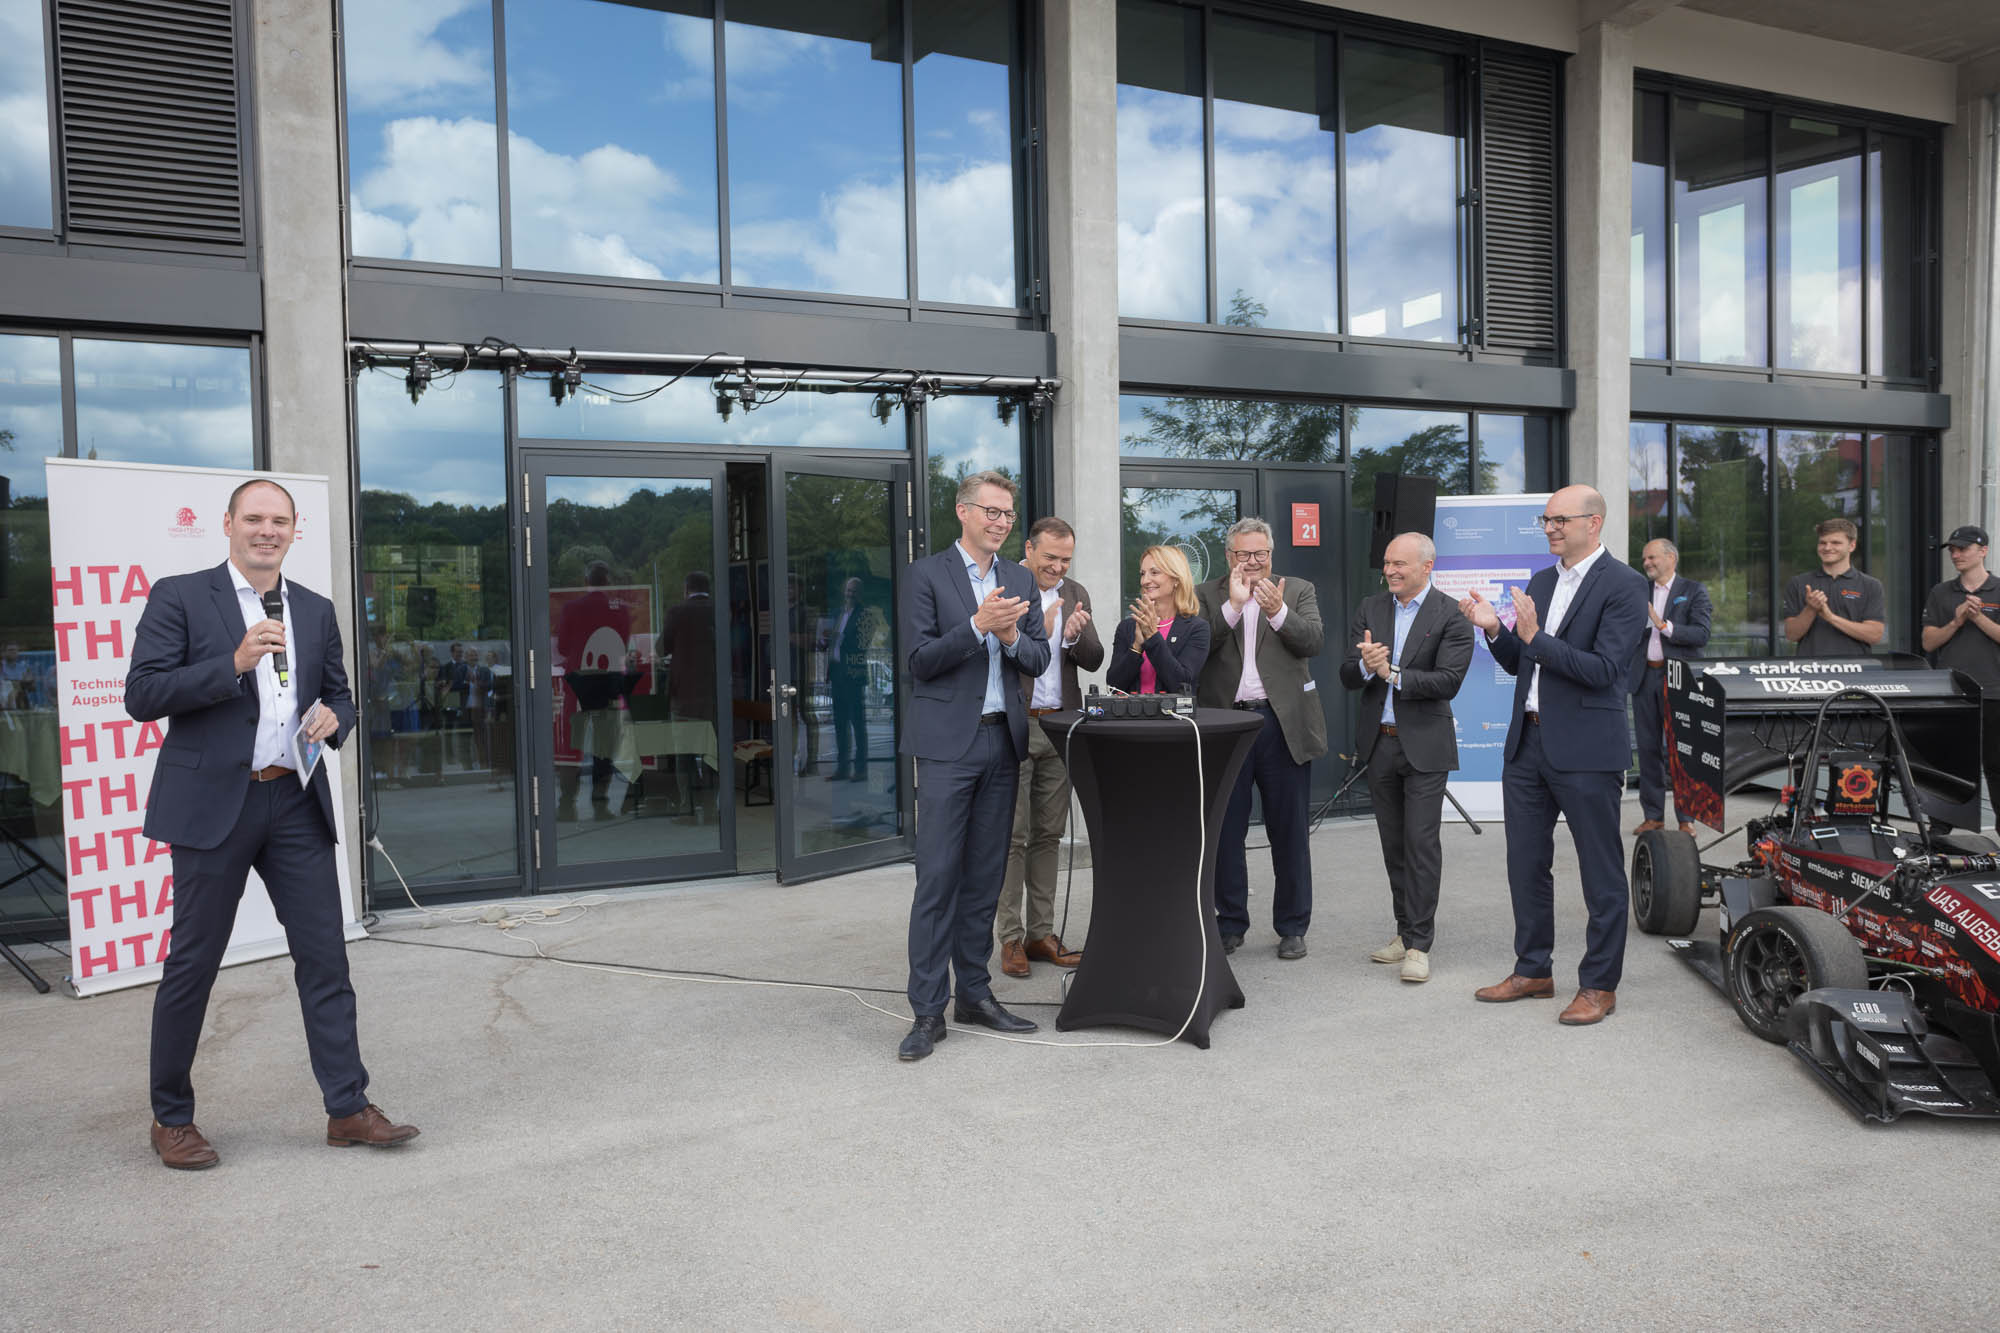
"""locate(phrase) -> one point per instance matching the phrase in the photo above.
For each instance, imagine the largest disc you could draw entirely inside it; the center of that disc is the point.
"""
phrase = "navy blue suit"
(967, 772)
(221, 824)
(1688, 612)
(1571, 762)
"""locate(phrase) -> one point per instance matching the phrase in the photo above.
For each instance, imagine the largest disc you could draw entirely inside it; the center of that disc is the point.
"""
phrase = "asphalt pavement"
(604, 1149)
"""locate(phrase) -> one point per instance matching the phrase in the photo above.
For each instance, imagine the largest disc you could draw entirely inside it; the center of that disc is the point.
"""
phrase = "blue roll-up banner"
(1488, 542)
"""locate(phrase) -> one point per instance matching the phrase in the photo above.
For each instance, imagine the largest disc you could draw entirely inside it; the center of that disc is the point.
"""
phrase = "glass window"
(1649, 225)
(163, 403)
(24, 114)
(1819, 477)
(608, 408)
(31, 429)
(1725, 532)
(611, 138)
(1648, 491)
(1818, 239)
(422, 167)
(1516, 455)
(963, 436)
(1275, 123)
(815, 100)
(1897, 257)
(1721, 160)
(1403, 153)
(965, 158)
(1194, 519)
(1265, 431)
(1393, 440)
(1162, 233)
(1893, 551)
(437, 593)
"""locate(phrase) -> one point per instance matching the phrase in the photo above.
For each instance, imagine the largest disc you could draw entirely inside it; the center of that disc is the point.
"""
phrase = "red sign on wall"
(1305, 525)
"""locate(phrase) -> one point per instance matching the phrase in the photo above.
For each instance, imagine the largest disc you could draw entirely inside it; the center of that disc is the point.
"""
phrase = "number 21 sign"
(1305, 525)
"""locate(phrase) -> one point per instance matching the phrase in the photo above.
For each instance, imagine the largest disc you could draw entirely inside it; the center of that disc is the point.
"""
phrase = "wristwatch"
(1395, 678)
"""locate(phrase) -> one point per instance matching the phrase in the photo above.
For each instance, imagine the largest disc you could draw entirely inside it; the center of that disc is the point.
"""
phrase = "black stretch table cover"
(1142, 961)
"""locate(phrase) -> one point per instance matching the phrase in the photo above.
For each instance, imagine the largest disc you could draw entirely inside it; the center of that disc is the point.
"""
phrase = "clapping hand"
(1050, 619)
(1968, 608)
(1145, 621)
(1374, 656)
(1653, 616)
(1241, 584)
(1480, 612)
(1270, 596)
(1526, 622)
(1816, 600)
(1073, 628)
(999, 615)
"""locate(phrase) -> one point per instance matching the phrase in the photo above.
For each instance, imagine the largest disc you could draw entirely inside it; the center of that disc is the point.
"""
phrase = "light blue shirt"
(984, 586)
(1406, 616)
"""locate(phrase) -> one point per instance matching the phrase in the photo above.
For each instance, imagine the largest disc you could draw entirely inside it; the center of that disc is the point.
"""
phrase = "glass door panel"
(840, 540)
(633, 783)
(1185, 507)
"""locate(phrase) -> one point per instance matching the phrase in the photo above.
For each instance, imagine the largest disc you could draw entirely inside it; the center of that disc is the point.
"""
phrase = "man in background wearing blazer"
(1263, 636)
(1679, 613)
(973, 631)
(226, 798)
(1041, 807)
(1576, 628)
(1410, 648)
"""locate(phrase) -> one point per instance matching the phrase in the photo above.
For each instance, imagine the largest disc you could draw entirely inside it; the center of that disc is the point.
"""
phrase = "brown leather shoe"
(1648, 826)
(1013, 961)
(367, 1127)
(1050, 949)
(183, 1148)
(1687, 827)
(1517, 987)
(1589, 1006)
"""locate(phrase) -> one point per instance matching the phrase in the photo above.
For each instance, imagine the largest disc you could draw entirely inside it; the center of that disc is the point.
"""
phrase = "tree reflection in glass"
(1725, 532)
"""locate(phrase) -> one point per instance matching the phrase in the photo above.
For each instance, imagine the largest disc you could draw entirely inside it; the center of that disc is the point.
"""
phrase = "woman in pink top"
(1160, 647)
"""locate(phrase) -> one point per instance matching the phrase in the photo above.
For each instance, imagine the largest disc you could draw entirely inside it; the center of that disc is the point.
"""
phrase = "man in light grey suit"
(1263, 634)
(973, 628)
(1409, 650)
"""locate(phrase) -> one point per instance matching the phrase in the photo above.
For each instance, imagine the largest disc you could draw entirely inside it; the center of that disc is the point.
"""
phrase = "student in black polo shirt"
(1960, 630)
(1838, 611)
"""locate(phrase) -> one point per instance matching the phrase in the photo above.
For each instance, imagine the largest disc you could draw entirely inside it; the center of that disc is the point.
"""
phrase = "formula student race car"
(1862, 927)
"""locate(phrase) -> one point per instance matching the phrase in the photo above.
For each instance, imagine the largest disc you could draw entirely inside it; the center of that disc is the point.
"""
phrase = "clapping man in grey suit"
(973, 627)
(1411, 646)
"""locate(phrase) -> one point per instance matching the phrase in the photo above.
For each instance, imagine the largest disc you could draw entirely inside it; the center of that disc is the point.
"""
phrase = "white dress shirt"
(1048, 685)
(1567, 582)
(277, 705)
(1250, 686)
(1656, 647)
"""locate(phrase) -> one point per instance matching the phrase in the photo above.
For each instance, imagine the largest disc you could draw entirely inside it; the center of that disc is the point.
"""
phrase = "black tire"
(1776, 954)
(1666, 882)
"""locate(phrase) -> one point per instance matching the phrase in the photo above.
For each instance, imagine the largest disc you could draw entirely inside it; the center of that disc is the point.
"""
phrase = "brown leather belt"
(1535, 718)
(273, 773)
(1388, 728)
(1656, 663)
(1042, 712)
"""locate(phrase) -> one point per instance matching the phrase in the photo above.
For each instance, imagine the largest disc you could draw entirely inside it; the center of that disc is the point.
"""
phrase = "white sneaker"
(1416, 965)
(1392, 952)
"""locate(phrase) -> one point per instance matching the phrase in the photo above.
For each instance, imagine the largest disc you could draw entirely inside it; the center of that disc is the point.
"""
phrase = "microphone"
(274, 609)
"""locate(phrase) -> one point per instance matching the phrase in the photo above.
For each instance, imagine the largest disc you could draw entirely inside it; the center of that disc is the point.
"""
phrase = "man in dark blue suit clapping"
(1570, 649)
(972, 629)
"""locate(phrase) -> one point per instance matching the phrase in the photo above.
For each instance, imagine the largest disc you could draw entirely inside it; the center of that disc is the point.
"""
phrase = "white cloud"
(24, 119)
(437, 182)
(396, 59)
(965, 235)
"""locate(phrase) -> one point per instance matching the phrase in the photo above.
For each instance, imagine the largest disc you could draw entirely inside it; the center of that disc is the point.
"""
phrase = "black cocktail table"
(1153, 905)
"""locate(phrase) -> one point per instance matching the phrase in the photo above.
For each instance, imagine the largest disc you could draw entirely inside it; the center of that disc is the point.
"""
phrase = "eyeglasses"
(1249, 557)
(992, 515)
(1547, 521)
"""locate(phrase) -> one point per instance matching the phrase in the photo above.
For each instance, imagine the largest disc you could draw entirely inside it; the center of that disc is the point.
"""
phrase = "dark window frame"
(1026, 96)
(1928, 297)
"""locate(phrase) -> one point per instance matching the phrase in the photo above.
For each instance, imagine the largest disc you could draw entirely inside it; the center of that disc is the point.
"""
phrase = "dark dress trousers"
(1407, 772)
(1280, 766)
(1688, 612)
(221, 824)
(966, 772)
(1177, 656)
(1571, 762)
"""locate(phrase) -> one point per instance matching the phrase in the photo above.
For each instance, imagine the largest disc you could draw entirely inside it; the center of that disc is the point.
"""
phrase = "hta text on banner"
(113, 529)
(1492, 543)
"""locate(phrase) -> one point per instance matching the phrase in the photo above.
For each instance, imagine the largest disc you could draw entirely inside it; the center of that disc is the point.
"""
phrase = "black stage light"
(418, 378)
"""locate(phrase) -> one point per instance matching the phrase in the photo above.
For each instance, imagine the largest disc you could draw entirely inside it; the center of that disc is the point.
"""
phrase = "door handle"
(785, 695)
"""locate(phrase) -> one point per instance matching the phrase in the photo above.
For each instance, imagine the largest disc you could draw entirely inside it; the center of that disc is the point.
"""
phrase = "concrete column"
(1082, 155)
(294, 56)
(1597, 184)
(1970, 354)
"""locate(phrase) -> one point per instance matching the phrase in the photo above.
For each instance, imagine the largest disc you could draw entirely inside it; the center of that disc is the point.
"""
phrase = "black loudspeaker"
(1403, 503)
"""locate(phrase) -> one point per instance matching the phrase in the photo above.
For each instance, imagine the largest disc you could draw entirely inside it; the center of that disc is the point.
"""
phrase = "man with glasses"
(973, 629)
(1265, 633)
(1575, 631)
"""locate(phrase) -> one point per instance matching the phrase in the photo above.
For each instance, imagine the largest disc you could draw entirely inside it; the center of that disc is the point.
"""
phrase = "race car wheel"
(1666, 882)
(1776, 954)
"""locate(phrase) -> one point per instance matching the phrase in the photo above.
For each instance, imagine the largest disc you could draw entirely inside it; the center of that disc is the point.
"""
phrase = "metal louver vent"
(150, 142)
(1517, 190)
